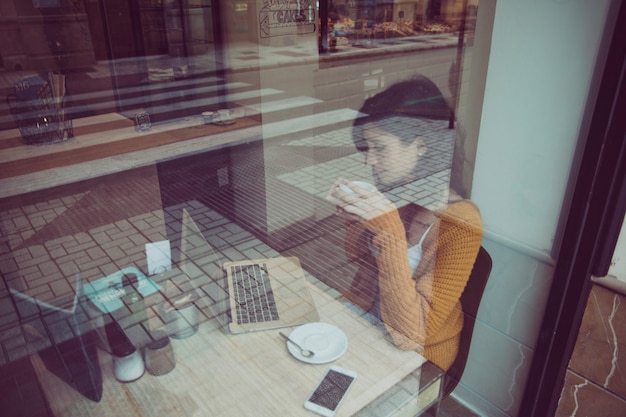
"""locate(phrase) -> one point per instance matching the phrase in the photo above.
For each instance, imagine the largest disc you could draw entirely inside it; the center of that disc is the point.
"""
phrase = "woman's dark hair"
(418, 97)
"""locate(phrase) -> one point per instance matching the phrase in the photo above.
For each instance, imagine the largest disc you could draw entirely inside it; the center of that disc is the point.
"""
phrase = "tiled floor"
(223, 235)
(23, 226)
(108, 227)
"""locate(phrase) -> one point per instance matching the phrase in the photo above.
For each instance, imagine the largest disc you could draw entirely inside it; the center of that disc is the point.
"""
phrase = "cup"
(207, 117)
(181, 320)
(128, 368)
(238, 112)
(159, 355)
(127, 361)
(224, 115)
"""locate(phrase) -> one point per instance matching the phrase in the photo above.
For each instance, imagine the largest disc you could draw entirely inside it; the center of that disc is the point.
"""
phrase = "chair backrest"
(470, 301)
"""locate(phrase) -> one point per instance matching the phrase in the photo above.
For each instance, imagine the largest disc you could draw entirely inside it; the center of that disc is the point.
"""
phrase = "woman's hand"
(360, 204)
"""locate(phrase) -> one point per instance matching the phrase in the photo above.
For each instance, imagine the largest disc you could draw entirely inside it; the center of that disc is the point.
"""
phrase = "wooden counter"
(108, 144)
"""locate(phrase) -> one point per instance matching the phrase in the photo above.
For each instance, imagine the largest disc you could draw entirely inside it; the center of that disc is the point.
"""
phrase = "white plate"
(224, 122)
(328, 342)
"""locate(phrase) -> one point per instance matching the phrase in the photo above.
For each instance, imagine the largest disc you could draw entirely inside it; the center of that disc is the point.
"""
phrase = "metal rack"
(38, 107)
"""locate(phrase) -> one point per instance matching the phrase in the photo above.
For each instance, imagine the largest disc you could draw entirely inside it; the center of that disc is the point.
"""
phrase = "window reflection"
(124, 112)
(371, 24)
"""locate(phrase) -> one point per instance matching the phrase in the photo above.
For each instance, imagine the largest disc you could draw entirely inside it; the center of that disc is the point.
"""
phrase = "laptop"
(247, 295)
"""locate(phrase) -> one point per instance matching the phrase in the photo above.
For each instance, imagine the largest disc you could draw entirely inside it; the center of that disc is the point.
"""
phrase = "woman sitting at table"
(413, 263)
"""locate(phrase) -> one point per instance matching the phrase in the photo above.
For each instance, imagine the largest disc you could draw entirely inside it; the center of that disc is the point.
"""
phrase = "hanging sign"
(287, 17)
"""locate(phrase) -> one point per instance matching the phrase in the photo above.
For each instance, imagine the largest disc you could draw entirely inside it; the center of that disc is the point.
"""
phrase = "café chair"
(470, 301)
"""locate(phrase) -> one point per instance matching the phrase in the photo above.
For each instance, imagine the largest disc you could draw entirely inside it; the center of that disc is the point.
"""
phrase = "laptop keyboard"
(253, 294)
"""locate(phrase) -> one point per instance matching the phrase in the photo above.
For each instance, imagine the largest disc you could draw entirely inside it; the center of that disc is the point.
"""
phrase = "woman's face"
(392, 160)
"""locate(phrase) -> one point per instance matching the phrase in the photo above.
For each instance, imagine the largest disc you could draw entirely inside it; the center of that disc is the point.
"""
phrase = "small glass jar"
(159, 355)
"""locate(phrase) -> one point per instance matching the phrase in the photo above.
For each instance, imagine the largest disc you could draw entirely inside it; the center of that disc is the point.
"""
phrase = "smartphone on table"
(328, 395)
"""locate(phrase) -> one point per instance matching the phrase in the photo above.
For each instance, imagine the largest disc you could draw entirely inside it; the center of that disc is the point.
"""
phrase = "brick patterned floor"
(45, 244)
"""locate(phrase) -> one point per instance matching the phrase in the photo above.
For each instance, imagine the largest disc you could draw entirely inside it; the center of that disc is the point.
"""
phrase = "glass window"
(155, 154)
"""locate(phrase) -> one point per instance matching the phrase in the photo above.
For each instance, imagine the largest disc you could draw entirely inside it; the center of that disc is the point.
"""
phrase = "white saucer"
(328, 342)
(224, 122)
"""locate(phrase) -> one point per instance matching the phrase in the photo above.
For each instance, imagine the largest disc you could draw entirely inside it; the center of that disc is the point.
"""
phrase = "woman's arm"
(404, 307)
(417, 307)
(355, 242)
(364, 285)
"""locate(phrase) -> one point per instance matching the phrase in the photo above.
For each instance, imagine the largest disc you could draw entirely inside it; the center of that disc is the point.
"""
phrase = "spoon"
(304, 352)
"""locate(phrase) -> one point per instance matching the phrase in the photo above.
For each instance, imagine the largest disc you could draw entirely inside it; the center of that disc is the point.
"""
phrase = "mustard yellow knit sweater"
(421, 310)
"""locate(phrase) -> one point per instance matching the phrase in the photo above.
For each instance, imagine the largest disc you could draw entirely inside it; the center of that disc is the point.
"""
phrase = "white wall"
(542, 58)
(541, 65)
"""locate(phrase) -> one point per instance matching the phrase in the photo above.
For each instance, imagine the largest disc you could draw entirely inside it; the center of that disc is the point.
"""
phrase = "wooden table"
(253, 374)
(219, 374)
